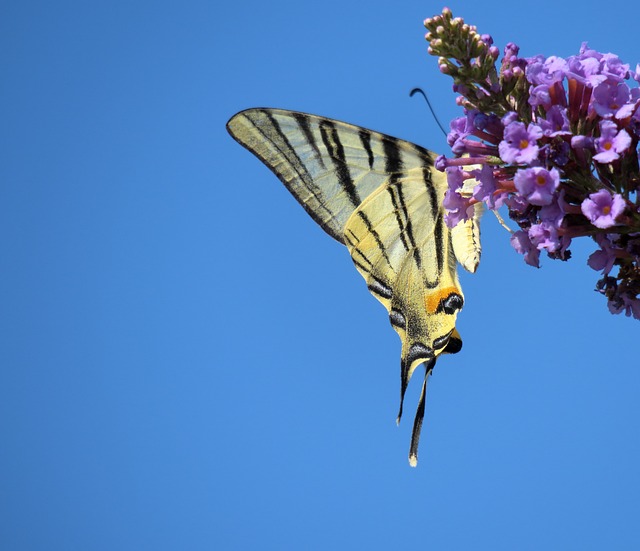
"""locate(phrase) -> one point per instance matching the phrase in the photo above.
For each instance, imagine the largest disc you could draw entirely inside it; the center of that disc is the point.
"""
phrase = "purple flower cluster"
(553, 139)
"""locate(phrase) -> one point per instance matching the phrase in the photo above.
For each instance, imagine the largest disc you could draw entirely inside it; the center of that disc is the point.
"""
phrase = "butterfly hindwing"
(382, 198)
(406, 256)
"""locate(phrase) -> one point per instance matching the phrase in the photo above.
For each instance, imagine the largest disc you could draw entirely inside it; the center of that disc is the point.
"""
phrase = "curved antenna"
(430, 107)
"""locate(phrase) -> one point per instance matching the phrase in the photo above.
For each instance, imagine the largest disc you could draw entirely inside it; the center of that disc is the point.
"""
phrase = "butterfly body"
(382, 198)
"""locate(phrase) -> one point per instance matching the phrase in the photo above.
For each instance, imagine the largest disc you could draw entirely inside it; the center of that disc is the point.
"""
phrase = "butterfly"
(382, 198)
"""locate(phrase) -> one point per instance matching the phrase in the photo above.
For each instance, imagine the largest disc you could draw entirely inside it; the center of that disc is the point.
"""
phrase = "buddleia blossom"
(612, 142)
(519, 144)
(537, 184)
(556, 141)
(603, 209)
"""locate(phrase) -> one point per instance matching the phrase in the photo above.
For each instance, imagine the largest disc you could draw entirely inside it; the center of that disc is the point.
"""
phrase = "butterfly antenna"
(421, 91)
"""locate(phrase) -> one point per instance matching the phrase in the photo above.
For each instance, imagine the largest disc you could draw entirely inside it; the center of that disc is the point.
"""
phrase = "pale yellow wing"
(382, 198)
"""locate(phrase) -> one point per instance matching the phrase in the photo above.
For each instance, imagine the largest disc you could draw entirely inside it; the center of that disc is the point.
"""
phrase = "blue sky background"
(188, 362)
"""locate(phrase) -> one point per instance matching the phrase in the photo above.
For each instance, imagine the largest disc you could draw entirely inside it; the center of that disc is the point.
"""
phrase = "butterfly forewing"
(381, 197)
(329, 166)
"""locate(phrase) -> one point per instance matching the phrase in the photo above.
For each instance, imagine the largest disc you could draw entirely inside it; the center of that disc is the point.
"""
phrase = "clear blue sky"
(187, 362)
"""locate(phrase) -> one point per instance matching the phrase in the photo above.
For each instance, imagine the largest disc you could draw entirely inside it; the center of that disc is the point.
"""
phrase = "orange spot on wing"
(432, 300)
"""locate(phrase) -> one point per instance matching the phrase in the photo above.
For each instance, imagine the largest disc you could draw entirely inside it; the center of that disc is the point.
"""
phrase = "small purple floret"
(555, 211)
(519, 144)
(545, 236)
(602, 259)
(486, 186)
(609, 97)
(521, 243)
(457, 206)
(630, 306)
(611, 143)
(537, 184)
(602, 208)
(556, 122)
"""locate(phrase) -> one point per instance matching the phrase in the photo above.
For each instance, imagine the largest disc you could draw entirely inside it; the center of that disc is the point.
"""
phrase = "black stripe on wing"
(375, 236)
(305, 127)
(395, 168)
(404, 222)
(379, 288)
(353, 241)
(438, 238)
(365, 139)
(431, 190)
(294, 163)
(332, 143)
